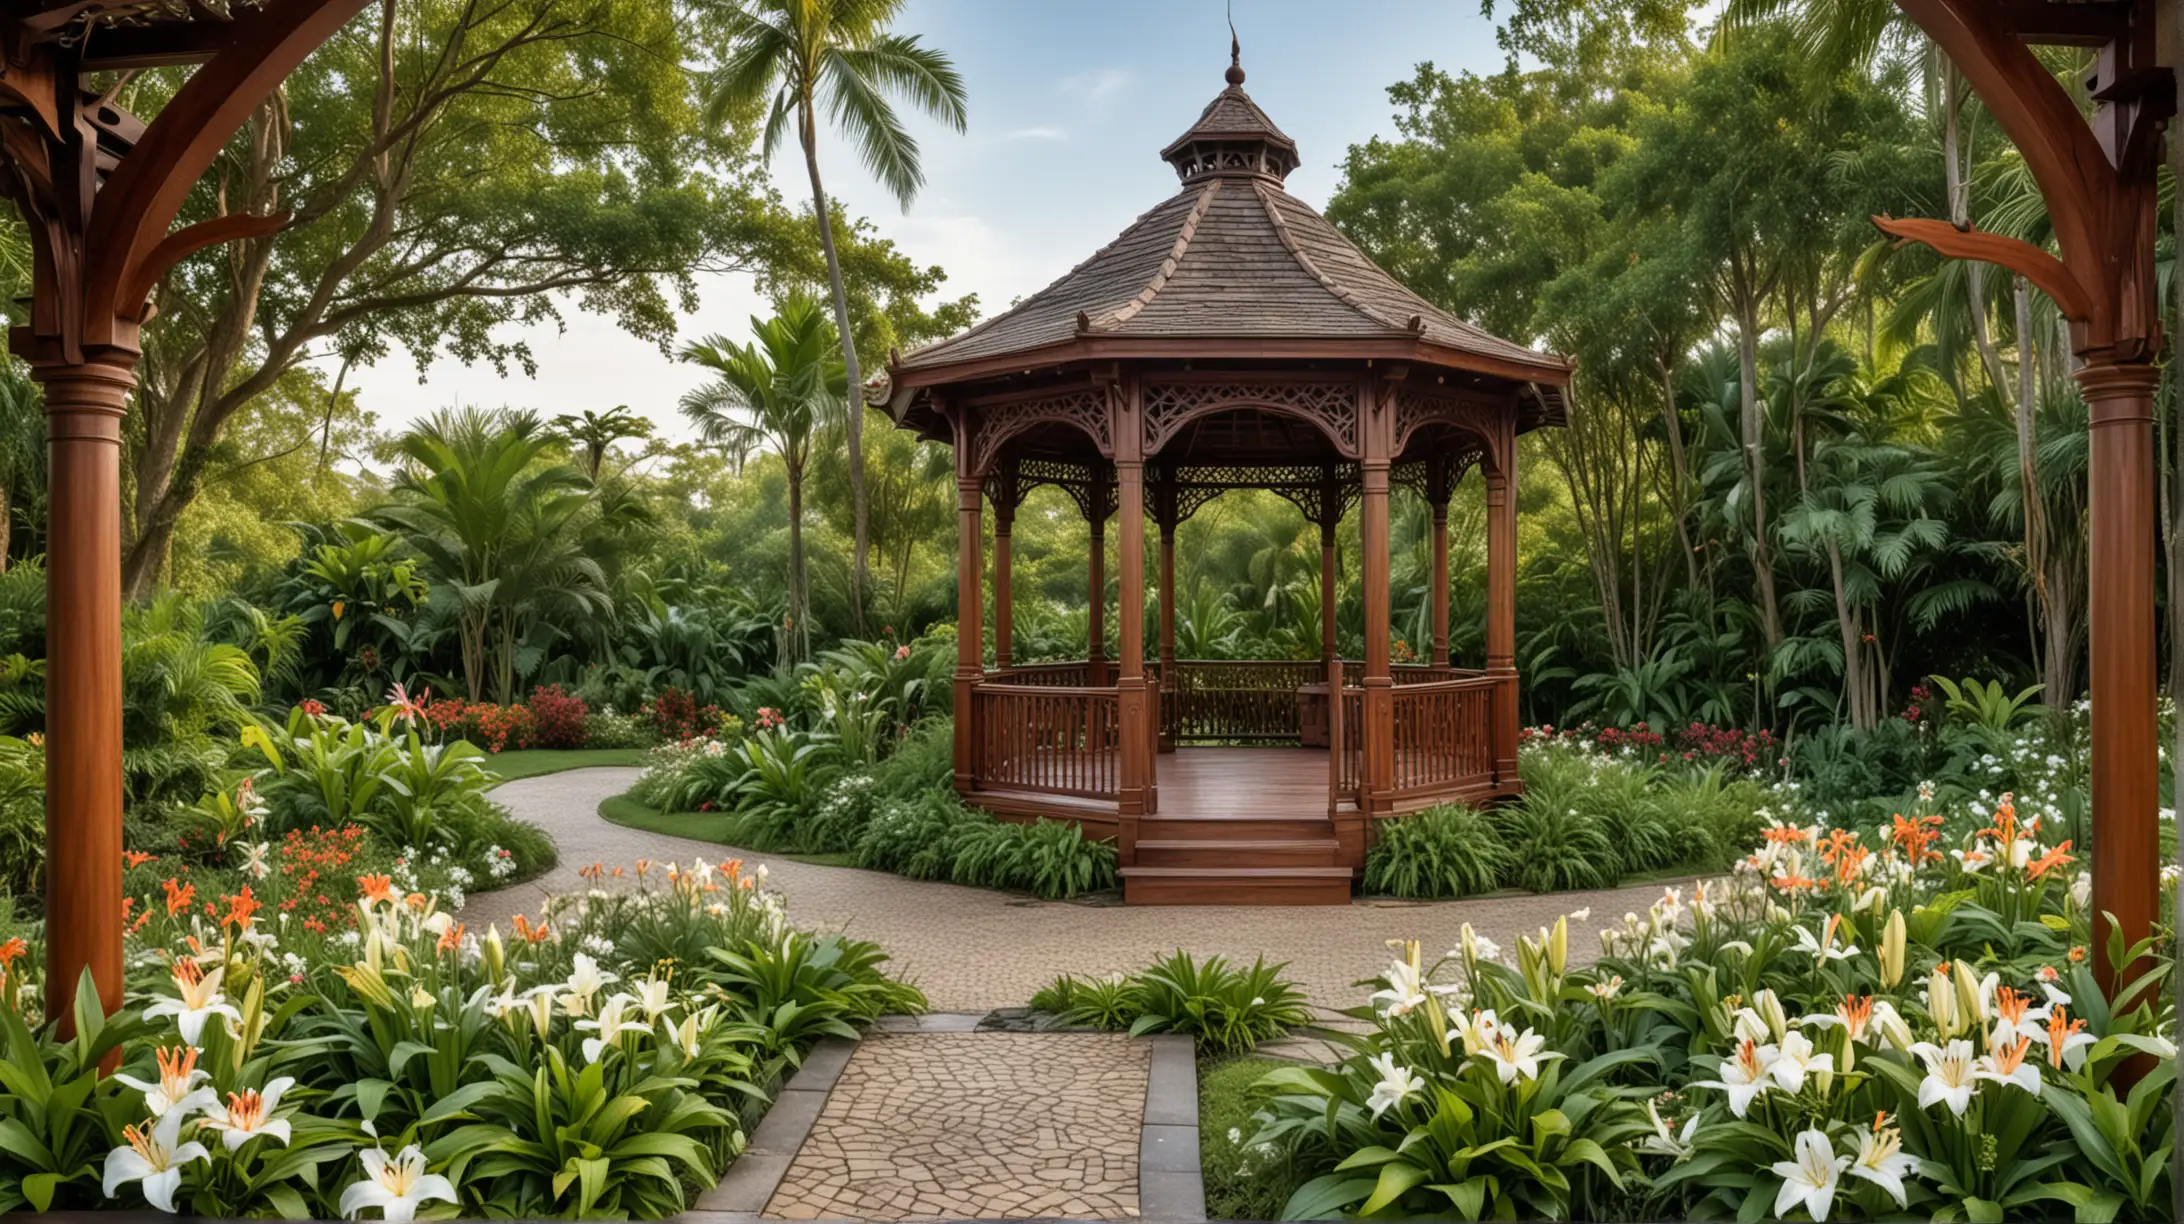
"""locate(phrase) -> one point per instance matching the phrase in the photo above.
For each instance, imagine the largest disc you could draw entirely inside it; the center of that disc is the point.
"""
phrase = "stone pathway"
(973, 950)
(975, 1126)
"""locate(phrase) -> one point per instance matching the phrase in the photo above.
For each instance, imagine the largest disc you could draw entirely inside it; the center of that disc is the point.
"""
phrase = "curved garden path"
(972, 950)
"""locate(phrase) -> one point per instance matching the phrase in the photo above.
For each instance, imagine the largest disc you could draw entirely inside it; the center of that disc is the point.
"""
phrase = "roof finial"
(1235, 49)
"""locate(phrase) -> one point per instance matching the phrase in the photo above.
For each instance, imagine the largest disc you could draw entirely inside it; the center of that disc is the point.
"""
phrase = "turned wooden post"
(1095, 625)
(1437, 494)
(970, 652)
(1004, 613)
(1379, 729)
(2120, 606)
(1164, 495)
(1140, 735)
(1501, 607)
(84, 404)
(1330, 521)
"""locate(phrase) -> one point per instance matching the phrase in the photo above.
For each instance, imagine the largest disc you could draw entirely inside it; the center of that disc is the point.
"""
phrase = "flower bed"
(1844, 1028)
(605, 1059)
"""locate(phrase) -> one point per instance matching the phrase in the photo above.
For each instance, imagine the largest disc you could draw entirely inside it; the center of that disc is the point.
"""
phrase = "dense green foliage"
(1225, 1008)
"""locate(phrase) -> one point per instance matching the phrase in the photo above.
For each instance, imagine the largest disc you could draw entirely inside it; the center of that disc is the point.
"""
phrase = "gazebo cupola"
(1233, 136)
(1229, 338)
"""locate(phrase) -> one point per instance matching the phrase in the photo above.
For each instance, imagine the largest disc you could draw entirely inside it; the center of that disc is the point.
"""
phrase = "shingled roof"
(1231, 256)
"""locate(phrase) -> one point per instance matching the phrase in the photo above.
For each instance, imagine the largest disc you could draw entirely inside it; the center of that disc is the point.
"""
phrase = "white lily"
(1476, 1032)
(1516, 1054)
(2065, 1039)
(2005, 1063)
(610, 1026)
(1397, 1084)
(1744, 1075)
(586, 979)
(153, 1158)
(397, 1187)
(199, 1000)
(178, 1085)
(1811, 1178)
(1951, 1075)
(652, 997)
(1889, 1023)
(1405, 990)
(249, 1113)
(1882, 1160)
(1795, 1059)
(1665, 1140)
(255, 858)
(1822, 947)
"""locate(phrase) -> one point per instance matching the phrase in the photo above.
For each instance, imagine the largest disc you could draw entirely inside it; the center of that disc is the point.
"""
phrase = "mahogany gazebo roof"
(1232, 266)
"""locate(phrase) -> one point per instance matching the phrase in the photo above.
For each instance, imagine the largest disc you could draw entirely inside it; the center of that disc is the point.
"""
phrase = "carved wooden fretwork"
(1303, 485)
(1085, 410)
(1417, 474)
(1330, 405)
(1076, 479)
(1418, 407)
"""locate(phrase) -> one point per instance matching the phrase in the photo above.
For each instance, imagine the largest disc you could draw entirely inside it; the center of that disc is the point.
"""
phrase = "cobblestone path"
(972, 950)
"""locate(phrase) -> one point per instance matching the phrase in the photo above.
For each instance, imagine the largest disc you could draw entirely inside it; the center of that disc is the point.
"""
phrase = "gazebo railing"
(1070, 673)
(1236, 700)
(1050, 738)
(1444, 736)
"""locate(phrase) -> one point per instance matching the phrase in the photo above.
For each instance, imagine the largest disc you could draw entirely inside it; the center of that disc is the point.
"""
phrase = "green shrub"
(1445, 851)
(1223, 1008)
(924, 760)
(1046, 858)
(22, 816)
(1245, 1179)
(913, 838)
(1102, 1003)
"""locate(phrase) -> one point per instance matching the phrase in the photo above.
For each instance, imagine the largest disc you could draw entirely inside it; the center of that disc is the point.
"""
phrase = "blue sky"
(1070, 105)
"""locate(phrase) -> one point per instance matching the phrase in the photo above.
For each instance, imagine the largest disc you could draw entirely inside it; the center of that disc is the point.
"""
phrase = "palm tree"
(795, 57)
(776, 392)
(497, 526)
(593, 432)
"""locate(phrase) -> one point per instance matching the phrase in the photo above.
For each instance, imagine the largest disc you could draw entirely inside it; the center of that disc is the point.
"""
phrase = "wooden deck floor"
(1242, 783)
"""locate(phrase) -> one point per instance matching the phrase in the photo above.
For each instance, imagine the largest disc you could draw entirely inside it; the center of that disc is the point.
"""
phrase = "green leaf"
(1395, 1181)
(38, 1190)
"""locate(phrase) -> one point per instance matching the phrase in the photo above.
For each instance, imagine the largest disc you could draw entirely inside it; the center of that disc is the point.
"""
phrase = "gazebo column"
(1501, 609)
(1004, 600)
(1437, 492)
(970, 573)
(1379, 729)
(1165, 503)
(83, 408)
(1095, 625)
(1330, 521)
(1134, 709)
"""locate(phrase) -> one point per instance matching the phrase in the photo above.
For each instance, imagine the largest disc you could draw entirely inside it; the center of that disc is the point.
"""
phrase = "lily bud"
(1941, 1003)
(1770, 1010)
(1892, 950)
(496, 955)
(366, 982)
(1558, 946)
(1971, 1000)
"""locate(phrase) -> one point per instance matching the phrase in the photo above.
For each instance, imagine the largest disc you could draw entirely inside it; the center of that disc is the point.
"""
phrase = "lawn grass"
(532, 762)
(1240, 1185)
(698, 826)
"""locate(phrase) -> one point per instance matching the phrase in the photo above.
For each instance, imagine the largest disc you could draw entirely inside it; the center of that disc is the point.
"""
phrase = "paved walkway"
(972, 950)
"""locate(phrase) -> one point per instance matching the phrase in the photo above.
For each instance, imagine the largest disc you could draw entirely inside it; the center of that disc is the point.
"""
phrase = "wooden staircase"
(1236, 860)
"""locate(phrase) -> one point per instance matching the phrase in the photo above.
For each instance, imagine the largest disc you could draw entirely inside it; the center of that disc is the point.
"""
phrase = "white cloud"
(1039, 132)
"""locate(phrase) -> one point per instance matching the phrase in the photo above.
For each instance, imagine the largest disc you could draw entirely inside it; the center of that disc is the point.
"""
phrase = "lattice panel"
(1075, 479)
(1170, 406)
(1085, 409)
(1414, 408)
(1300, 484)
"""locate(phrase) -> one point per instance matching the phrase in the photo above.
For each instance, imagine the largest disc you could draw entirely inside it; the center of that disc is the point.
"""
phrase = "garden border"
(1171, 1186)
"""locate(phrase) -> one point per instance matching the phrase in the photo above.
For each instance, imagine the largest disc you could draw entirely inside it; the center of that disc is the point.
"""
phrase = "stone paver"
(972, 950)
(976, 1126)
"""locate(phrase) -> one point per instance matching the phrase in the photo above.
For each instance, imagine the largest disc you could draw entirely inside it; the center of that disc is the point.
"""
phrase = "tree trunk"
(1960, 213)
(798, 639)
(1679, 465)
(853, 410)
(1855, 694)
(1755, 463)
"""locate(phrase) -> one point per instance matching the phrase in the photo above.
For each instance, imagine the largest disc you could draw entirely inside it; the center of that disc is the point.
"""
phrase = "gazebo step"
(1236, 885)
(1234, 828)
(1222, 852)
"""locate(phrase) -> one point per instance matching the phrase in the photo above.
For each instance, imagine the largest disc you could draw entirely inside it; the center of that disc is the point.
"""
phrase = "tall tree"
(777, 392)
(794, 57)
(591, 434)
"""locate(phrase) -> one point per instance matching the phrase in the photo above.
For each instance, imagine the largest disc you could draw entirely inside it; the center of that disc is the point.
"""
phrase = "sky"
(1070, 105)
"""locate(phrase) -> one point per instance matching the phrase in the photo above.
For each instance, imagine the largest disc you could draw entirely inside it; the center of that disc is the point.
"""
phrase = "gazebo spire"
(1233, 136)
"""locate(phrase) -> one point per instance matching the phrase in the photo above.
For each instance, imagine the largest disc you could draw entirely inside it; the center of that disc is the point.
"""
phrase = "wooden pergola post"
(1134, 714)
(98, 190)
(1330, 521)
(970, 571)
(2099, 183)
(1501, 604)
(1437, 494)
(1376, 416)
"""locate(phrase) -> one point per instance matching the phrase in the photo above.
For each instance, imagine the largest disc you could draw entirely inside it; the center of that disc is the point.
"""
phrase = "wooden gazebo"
(1229, 339)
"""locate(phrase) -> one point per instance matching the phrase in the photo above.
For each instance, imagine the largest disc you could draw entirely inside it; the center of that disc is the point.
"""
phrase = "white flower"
(1823, 947)
(1811, 1178)
(1516, 1055)
(177, 1088)
(254, 858)
(200, 998)
(1890, 1024)
(1608, 989)
(652, 996)
(153, 1158)
(2005, 1064)
(1405, 989)
(1882, 1160)
(1477, 1032)
(1665, 1141)
(1795, 1060)
(1744, 1075)
(610, 1026)
(397, 1187)
(249, 1113)
(1397, 1084)
(1951, 1075)
(586, 979)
